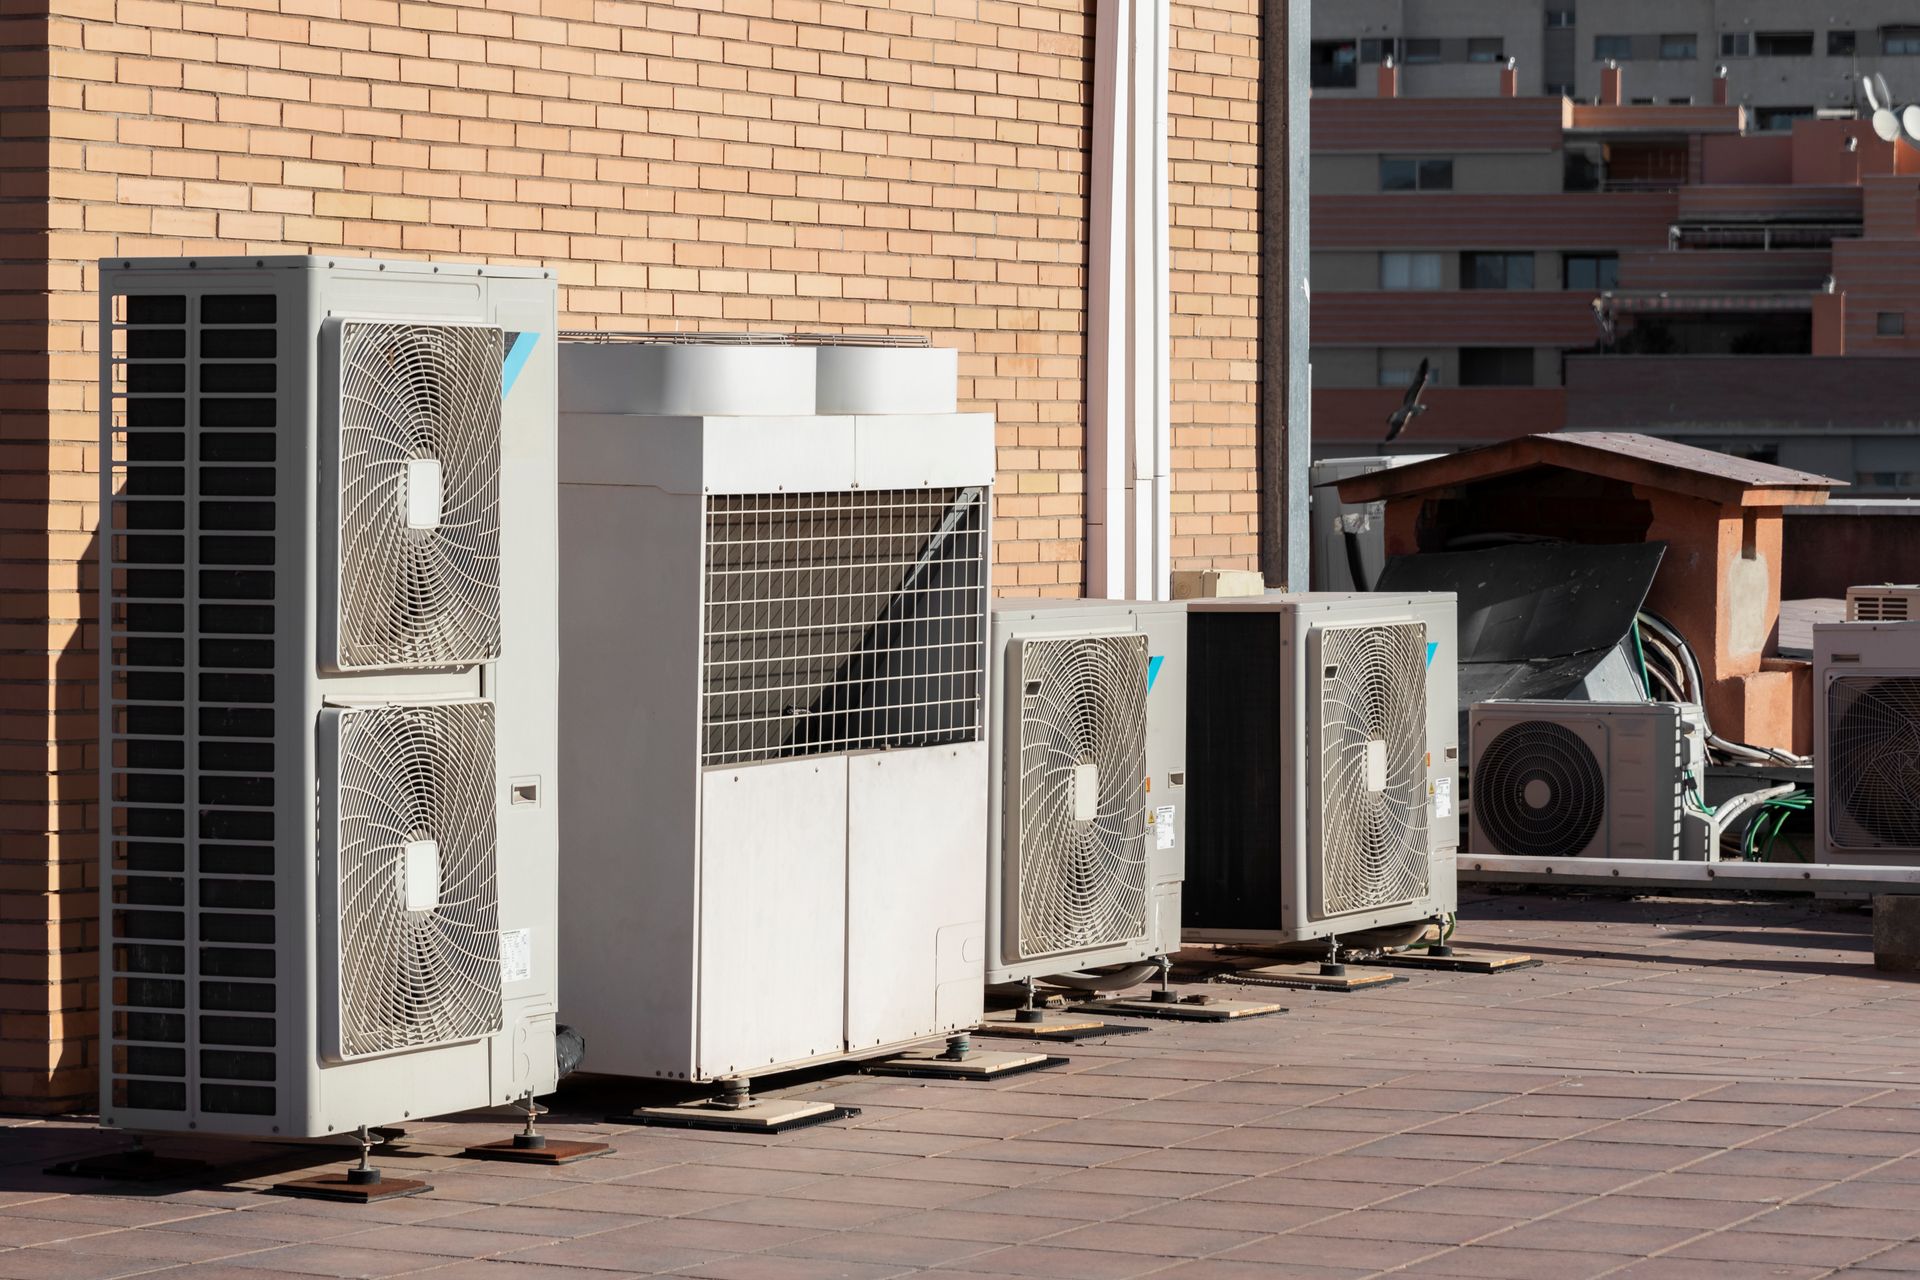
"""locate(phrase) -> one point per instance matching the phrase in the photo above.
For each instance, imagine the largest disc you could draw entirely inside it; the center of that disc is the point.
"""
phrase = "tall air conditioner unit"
(1322, 765)
(1584, 779)
(774, 579)
(328, 725)
(1088, 787)
(1866, 734)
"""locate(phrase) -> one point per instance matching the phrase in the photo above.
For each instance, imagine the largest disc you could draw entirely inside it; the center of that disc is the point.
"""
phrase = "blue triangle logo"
(519, 347)
(1431, 646)
(1153, 670)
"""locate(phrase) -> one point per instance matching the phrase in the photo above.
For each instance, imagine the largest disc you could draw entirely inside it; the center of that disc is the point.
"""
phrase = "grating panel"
(1873, 762)
(190, 612)
(842, 622)
(1372, 751)
(1082, 858)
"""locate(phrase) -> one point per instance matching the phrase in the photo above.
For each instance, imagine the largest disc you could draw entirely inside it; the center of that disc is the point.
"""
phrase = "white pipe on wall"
(1129, 357)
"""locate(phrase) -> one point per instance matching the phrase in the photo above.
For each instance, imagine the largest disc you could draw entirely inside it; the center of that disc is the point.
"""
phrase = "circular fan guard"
(1561, 816)
(419, 977)
(1083, 885)
(1873, 765)
(1373, 843)
(426, 594)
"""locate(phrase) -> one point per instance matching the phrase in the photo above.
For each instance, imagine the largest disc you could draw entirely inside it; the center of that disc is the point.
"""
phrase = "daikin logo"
(1153, 670)
(519, 348)
(1431, 646)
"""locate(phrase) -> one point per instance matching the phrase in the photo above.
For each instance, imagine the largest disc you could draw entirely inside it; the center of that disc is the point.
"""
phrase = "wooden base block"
(930, 1064)
(1458, 962)
(1307, 977)
(1204, 1009)
(335, 1186)
(552, 1151)
(773, 1115)
(1051, 1026)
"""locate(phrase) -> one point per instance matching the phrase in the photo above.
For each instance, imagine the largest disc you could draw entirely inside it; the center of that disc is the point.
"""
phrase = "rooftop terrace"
(1683, 1091)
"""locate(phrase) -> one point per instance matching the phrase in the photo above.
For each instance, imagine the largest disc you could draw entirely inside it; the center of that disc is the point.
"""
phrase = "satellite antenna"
(1910, 122)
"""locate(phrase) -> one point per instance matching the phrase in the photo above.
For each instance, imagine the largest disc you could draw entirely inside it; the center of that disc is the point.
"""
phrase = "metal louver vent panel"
(1873, 765)
(842, 622)
(1079, 822)
(1372, 750)
(1539, 791)
(417, 921)
(419, 495)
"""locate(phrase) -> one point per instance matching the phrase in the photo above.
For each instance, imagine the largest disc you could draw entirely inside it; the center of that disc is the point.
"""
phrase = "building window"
(1379, 50)
(1642, 102)
(1423, 51)
(1900, 40)
(1409, 271)
(1333, 65)
(1783, 44)
(1590, 272)
(1496, 366)
(1486, 49)
(1887, 479)
(1891, 324)
(1680, 47)
(1403, 174)
(1736, 44)
(1398, 367)
(1842, 44)
(1616, 48)
(1779, 119)
(1560, 19)
(1559, 88)
(1680, 102)
(1496, 271)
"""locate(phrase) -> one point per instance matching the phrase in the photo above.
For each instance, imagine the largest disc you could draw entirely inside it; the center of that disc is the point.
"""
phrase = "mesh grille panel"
(1873, 762)
(1539, 791)
(1082, 877)
(419, 478)
(1373, 842)
(189, 774)
(419, 932)
(842, 621)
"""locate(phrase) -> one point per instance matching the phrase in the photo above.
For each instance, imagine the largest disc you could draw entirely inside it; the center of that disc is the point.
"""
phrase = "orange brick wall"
(914, 165)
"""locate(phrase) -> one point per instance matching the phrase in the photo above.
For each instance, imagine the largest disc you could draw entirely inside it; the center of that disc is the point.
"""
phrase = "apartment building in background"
(1788, 59)
(946, 167)
(1663, 268)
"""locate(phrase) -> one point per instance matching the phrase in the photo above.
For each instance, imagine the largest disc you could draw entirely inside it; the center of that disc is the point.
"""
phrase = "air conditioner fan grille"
(1873, 762)
(1373, 717)
(1538, 791)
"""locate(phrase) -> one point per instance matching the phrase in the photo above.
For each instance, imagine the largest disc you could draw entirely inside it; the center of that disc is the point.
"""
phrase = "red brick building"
(895, 165)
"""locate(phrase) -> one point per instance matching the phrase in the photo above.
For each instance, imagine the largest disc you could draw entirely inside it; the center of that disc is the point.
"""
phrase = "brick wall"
(890, 164)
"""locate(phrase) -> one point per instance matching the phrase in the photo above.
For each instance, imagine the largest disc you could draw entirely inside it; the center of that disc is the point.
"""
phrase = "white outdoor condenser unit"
(1322, 765)
(1552, 779)
(1088, 785)
(1888, 602)
(1866, 741)
(328, 666)
(774, 579)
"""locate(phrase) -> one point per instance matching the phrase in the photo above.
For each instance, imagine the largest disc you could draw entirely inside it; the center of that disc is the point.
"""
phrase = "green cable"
(1640, 650)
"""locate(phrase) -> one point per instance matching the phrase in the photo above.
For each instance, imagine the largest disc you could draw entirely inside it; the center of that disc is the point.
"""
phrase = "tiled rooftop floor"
(1685, 1091)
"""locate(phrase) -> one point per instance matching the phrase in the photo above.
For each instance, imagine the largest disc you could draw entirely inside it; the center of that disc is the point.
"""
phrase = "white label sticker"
(1163, 827)
(516, 955)
(1442, 797)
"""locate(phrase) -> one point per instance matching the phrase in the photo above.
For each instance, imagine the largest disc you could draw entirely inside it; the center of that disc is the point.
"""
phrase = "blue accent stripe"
(1153, 670)
(1432, 645)
(517, 354)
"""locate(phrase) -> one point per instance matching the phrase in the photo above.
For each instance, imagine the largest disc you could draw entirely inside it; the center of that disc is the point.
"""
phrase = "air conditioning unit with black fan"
(774, 575)
(329, 670)
(1088, 793)
(1322, 765)
(1553, 779)
(1866, 735)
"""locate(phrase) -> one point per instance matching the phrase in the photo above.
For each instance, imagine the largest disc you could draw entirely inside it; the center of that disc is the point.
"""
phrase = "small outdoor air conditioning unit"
(1088, 786)
(773, 703)
(1555, 779)
(1322, 765)
(1885, 603)
(1866, 734)
(328, 668)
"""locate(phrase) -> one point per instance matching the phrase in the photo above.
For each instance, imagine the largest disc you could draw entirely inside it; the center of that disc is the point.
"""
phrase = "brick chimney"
(1610, 84)
(1389, 78)
(1510, 78)
(1720, 86)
